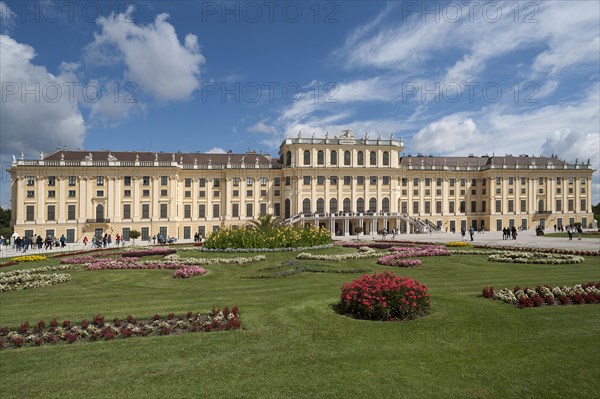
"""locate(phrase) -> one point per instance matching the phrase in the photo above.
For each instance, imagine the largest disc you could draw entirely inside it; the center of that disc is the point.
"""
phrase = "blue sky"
(451, 78)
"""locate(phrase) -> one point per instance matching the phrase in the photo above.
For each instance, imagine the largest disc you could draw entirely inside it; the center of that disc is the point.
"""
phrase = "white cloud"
(154, 58)
(38, 121)
(216, 150)
(447, 135)
(7, 17)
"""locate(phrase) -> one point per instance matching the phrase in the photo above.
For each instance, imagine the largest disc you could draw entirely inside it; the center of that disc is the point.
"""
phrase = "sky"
(451, 78)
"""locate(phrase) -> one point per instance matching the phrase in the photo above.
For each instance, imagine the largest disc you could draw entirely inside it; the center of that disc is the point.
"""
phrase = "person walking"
(471, 232)
(85, 241)
(570, 233)
(63, 241)
(463, 234)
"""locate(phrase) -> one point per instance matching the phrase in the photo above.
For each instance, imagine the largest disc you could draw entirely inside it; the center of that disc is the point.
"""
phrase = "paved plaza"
(525, 239)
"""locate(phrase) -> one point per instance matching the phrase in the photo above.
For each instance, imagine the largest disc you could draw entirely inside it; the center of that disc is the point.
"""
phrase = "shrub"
(488, 292)
(384, 296)
(271, 237)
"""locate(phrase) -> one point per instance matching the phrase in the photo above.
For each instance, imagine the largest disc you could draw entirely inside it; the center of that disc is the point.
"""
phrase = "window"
(29, 210)
(583, 205)
(427, 207)
(263, 181)
(100, 180)
(523, 205)
(360, 180)
(404, 207)
(187, 211)
(427, 182)
(438, 182)
(125, 235)
(235, 193)
(30, 181)
(236, 182)
(438, 206)
(483, 206)
(187, 232)
(386, 158)
(404, 182)
(360, 205)
(473, 182)
(163, 210)
(72, 193)
(523, 181)
(306, 206)
(249, 210)
(72, 181)
(347, 158)
(541, 180)
(216, 212)
(333, 205)
(333, 158)
(463, 182)
(202, 182)
(373, 204)
(415, 206)
(216, 193)
(126, 211)
(201, 211)
(360, 158)
(523, 190)
(263, 208)
(164, 180)
(474, 192)
(346, 204)
(51, 194)
(386, 180)
(462, 206)
(70, 235)
(511, 181)
(216, 182)
(235, 210)
(263, 193)
(127, 181)
(71, 212)
(52, 181)
(249, 182)
(583, 180)
(145, 233)
(288, 158)
(288, 181)
(415, 192)
(145, 211)
(373, 180)
(333, 180)
(347, 180)
(373, 158)
(202, 194)
(511, 206)
(474, 206)
(277, 182)
(320, 157)
(385, 204)
(510, 191)
(126, 193)
(145, 193)
(277, 209)
(164, 193)
(452, 182)
(558, 205)
(51, 212)
(320, 180)
(145, 180)
(306, 180)
(187, 194)
(99, 193)
(498, 180)
(438, 192)
(498, 206)
(451, 206)
(187, 182)
(277, 193)
(306, 158)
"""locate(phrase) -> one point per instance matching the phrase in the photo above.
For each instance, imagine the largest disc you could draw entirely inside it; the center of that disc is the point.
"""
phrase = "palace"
(340, 183)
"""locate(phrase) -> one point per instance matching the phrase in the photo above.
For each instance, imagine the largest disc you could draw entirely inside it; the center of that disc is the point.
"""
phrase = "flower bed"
(358, 244)
(535, 257)
(458, 244)
(240, 260)
(18, 280)
(546, 295)
(42, 333)
(268, 237)
(544, 250)
(287, 249)
(364, 254)
(190, 271)
(28, 258)
(384, 296)
(138, 253)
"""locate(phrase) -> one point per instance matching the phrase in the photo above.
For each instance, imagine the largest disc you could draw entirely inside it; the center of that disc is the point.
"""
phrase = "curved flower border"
(535, 258)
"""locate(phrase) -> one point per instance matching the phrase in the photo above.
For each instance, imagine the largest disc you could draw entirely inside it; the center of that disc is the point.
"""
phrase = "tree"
(133, 234)
(5, 229)
(596, 212)
(357, 231)
(265, 222)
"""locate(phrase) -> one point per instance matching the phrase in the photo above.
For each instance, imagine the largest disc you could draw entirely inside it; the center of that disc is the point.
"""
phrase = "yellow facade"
(340, 183)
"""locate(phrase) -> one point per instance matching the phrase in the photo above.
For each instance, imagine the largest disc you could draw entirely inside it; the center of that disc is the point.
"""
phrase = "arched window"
(346, 204)
(306, 206)
(541, 205)
(333, 205)
(386, 158)
(99, 212)
(320, 158)
(385, 205)
(320, 205)
(373, 158)
(360, 158)
(288, 158)
(347, 158)
(333, 158)
(373, 204)
(360, 205)
(306, 157)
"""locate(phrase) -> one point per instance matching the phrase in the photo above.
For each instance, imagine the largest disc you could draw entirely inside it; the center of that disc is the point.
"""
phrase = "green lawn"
(293, 344)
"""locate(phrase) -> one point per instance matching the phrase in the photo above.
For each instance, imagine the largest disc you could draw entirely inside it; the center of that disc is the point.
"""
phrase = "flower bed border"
(535, 258)
(588, 293)
(99, 329)
(287, 249)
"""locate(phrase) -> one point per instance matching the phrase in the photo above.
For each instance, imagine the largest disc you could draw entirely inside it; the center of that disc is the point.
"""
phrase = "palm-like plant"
(265, 222)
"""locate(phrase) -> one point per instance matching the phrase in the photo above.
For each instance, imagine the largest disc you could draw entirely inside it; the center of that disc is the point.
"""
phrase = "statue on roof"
(173, 157)
(156, 157)
(137, 157)
(300, 133)
(88, 158)
(392, 136)
(21, 156)
(111, 157)
(41, 155)
(14, 158)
